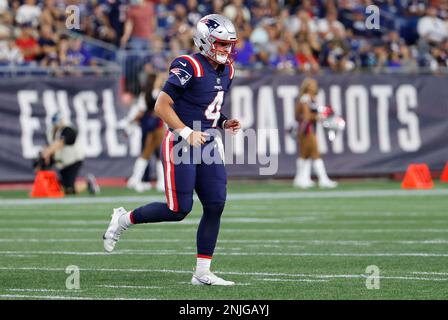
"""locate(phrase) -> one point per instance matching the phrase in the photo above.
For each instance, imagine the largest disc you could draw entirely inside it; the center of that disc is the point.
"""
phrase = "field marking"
(299, 229)
(174, 252)
(236, 284)
(14, 296)
(234, 196)
(432, 273)
(128, 287)
(41, 290)
(235, 273)
(235, 241)
(224, 220)
(192, 221)
(292, 280)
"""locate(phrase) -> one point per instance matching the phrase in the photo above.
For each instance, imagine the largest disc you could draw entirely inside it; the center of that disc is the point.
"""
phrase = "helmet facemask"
(225, 54)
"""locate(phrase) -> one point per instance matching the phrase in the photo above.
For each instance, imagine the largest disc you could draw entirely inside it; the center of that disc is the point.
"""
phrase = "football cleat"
(115, 229)
(210, 279)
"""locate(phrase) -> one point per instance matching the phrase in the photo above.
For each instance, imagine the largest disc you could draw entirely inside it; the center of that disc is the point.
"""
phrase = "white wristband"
(185, 132)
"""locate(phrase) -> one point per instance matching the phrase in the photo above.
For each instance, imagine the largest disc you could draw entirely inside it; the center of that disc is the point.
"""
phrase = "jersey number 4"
(213, 111)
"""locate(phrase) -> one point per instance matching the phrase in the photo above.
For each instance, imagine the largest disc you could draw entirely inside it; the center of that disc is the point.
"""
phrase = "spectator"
(158, 57)
(338, 59)
(140, 25)
(47, 42)
(328, 26)
(305, 59)
(300, 22)
(165, 15)
(260, 38)
(99, 26)
(284, 60)
(115, 11)
(52, 14)
(10, 54)
(75, 55)
(27, 43)
(408, 62)
(3, 6)
(439, 59)
(195, 12)
(245, 53)
(28, 13)
(236, 7)
(431, 29)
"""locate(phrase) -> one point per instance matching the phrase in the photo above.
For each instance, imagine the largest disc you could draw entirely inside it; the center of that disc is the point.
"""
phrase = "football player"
(194, 92)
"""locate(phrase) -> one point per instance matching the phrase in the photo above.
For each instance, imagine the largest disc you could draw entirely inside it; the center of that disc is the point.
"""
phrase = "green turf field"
(275, 243)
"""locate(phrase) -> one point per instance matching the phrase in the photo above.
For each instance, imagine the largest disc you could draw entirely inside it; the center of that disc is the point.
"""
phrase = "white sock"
(319, 168)
(160, 174)
(139, 169)
(299, 167)
(307, 169)
(203, 265)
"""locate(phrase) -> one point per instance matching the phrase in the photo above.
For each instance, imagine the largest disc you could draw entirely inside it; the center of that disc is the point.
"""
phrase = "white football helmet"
(216, 28)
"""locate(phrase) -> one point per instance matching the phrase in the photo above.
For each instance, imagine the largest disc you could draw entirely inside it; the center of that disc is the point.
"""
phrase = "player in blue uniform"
(190, 103)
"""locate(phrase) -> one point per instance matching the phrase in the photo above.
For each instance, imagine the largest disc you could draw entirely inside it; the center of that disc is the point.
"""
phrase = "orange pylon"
(417, 177)
(46, 185)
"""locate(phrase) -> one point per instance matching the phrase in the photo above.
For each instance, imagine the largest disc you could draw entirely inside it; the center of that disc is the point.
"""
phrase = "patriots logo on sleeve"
(181, 74)
(211, 24)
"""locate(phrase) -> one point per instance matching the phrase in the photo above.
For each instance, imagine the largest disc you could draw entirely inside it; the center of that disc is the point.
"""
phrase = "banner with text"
(392, 120)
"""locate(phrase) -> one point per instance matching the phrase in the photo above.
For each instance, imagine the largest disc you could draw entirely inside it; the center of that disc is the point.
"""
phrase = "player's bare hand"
(233, 125)
(197, 138)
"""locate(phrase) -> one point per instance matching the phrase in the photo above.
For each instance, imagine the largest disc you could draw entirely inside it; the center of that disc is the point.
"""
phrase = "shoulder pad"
(195, 63)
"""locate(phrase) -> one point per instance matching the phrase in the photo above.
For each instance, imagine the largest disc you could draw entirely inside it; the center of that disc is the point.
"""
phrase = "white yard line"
(15, 296)
(225, 220)
(432, 273)
(40, 290)
(241, 196)
(221, 252)
(291, 280)
(128, 287)
(235, 273)
(227, 229)
(230, 241)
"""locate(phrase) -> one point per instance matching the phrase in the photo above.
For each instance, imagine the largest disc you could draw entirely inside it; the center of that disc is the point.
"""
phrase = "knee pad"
(179, 216)
(215, 209)
(185, 205)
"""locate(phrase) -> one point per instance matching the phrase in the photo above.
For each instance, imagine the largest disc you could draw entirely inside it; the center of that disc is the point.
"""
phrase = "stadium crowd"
(305, 35)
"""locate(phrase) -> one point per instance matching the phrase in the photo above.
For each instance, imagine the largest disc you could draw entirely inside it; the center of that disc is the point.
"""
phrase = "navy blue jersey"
(200, 89)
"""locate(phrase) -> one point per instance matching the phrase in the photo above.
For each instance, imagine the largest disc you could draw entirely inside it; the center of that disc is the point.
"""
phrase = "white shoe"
(303, 184)
(329, 184)
(131, 183)
(142, 187)
(115, 229)
(209, 279)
